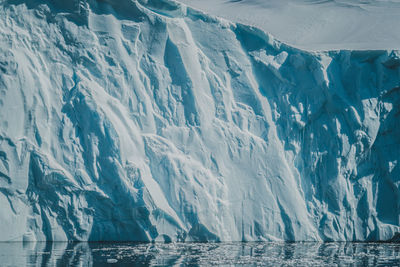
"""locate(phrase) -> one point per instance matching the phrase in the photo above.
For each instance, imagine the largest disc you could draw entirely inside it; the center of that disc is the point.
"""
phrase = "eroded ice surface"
(148, 120)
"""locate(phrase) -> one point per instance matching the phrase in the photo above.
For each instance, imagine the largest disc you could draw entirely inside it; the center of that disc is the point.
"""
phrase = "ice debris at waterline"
(200, 254)
(148, 120)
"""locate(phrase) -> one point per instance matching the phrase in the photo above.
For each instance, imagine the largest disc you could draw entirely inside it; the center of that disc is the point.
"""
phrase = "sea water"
(199, 254)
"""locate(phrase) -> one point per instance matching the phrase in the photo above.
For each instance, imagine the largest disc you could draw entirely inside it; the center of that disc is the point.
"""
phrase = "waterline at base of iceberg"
(200, 254)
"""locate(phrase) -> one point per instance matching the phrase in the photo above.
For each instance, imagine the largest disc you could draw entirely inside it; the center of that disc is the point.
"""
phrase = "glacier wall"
(147, 120)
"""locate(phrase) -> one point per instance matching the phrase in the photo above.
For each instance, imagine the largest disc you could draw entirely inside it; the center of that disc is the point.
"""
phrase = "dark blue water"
(199, 254)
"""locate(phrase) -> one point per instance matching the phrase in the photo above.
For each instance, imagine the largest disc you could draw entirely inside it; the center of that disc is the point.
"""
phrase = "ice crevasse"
(148, 120)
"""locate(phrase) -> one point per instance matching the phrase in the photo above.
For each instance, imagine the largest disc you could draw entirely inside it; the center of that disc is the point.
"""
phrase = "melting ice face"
(147, 120)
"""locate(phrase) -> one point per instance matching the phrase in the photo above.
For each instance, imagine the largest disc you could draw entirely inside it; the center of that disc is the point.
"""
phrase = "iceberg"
(148, 120)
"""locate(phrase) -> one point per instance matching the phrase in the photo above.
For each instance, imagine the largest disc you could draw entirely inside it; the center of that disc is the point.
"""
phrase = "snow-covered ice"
(316, 24)
(148, 120)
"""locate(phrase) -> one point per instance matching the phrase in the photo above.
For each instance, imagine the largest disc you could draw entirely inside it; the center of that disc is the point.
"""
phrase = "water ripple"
(199, 254)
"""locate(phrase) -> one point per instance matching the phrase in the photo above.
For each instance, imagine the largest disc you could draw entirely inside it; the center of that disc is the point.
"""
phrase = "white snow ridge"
(149, 120)
(316, 24)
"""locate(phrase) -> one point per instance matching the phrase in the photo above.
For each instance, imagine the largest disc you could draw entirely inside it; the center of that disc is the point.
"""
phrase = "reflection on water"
(199, 254)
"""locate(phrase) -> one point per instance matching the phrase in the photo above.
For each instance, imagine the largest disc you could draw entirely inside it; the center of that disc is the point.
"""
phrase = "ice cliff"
(147, 120)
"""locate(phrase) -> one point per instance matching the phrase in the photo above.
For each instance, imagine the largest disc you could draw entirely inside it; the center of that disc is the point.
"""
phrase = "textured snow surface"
(316, 24)
(126, 120)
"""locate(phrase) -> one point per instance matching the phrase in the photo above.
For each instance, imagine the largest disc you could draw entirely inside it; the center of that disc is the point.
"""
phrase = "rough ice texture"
(126, 120)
